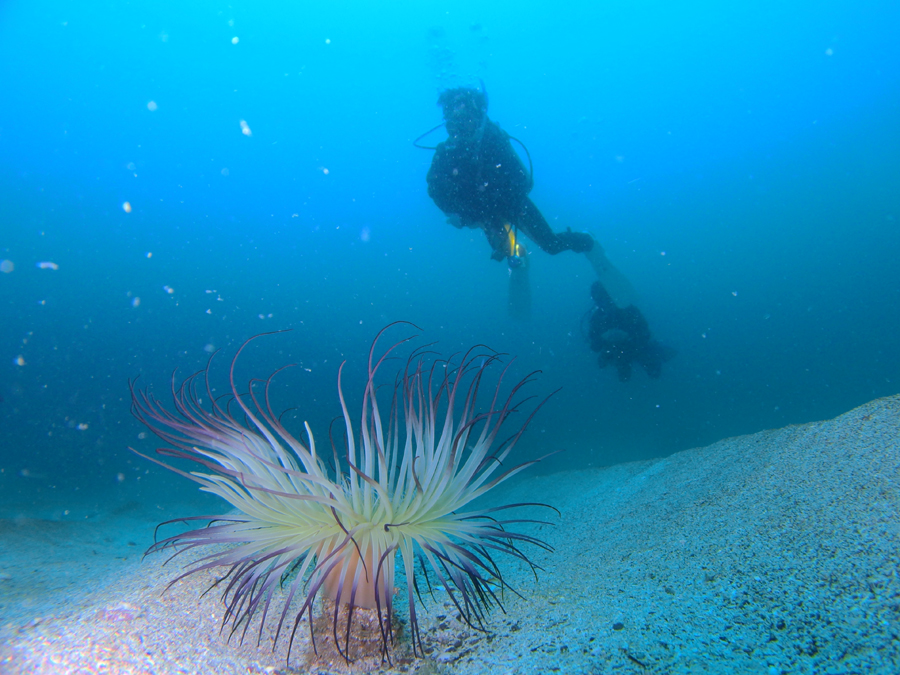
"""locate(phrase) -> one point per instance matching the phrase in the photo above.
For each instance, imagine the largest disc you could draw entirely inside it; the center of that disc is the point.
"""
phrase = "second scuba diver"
(621, 336)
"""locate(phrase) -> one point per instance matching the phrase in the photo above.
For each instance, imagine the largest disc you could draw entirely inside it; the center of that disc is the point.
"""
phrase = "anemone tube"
(337, 529)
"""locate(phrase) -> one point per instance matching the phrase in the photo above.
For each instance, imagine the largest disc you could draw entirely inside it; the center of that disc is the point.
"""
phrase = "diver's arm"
(440, 188)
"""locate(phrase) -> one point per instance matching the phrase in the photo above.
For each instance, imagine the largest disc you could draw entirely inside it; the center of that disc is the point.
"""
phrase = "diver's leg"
(612, 280)
(532, 222)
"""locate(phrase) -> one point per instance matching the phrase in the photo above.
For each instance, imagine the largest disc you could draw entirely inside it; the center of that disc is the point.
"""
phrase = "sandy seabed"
(776, 552)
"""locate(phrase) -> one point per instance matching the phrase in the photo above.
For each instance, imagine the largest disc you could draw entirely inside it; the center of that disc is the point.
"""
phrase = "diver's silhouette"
(621, 336)
(478, 180)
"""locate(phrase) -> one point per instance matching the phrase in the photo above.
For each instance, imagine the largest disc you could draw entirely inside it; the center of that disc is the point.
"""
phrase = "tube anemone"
(336, 530)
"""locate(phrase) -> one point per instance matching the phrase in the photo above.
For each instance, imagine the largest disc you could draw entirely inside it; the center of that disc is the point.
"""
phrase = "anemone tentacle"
(399, 488)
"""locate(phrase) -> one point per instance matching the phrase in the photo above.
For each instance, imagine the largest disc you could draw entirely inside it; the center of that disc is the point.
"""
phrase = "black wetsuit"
(484, 182)
(622, 337)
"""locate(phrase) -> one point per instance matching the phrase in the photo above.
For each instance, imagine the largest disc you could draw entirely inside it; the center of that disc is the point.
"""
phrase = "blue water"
(738, 164)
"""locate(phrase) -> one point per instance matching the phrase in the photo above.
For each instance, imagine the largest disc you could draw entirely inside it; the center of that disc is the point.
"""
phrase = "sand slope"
(776, 552)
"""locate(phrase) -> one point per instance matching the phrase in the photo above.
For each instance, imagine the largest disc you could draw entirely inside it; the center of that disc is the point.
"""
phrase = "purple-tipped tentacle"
(381, 475)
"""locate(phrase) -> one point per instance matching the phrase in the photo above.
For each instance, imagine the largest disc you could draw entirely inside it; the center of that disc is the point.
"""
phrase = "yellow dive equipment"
(515, 248)
(519, 286)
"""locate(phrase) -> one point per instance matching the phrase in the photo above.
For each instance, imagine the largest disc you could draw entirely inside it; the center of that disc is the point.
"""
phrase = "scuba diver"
(622, 337)
(478, 180)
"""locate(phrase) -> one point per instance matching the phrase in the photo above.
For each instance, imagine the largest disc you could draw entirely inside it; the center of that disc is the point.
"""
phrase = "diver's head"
(464, 110)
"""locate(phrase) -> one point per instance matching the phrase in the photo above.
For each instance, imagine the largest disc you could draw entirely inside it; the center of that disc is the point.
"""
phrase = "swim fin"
(619, 288)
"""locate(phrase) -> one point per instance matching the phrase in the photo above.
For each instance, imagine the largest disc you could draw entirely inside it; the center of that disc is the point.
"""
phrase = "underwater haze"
(176, 178)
